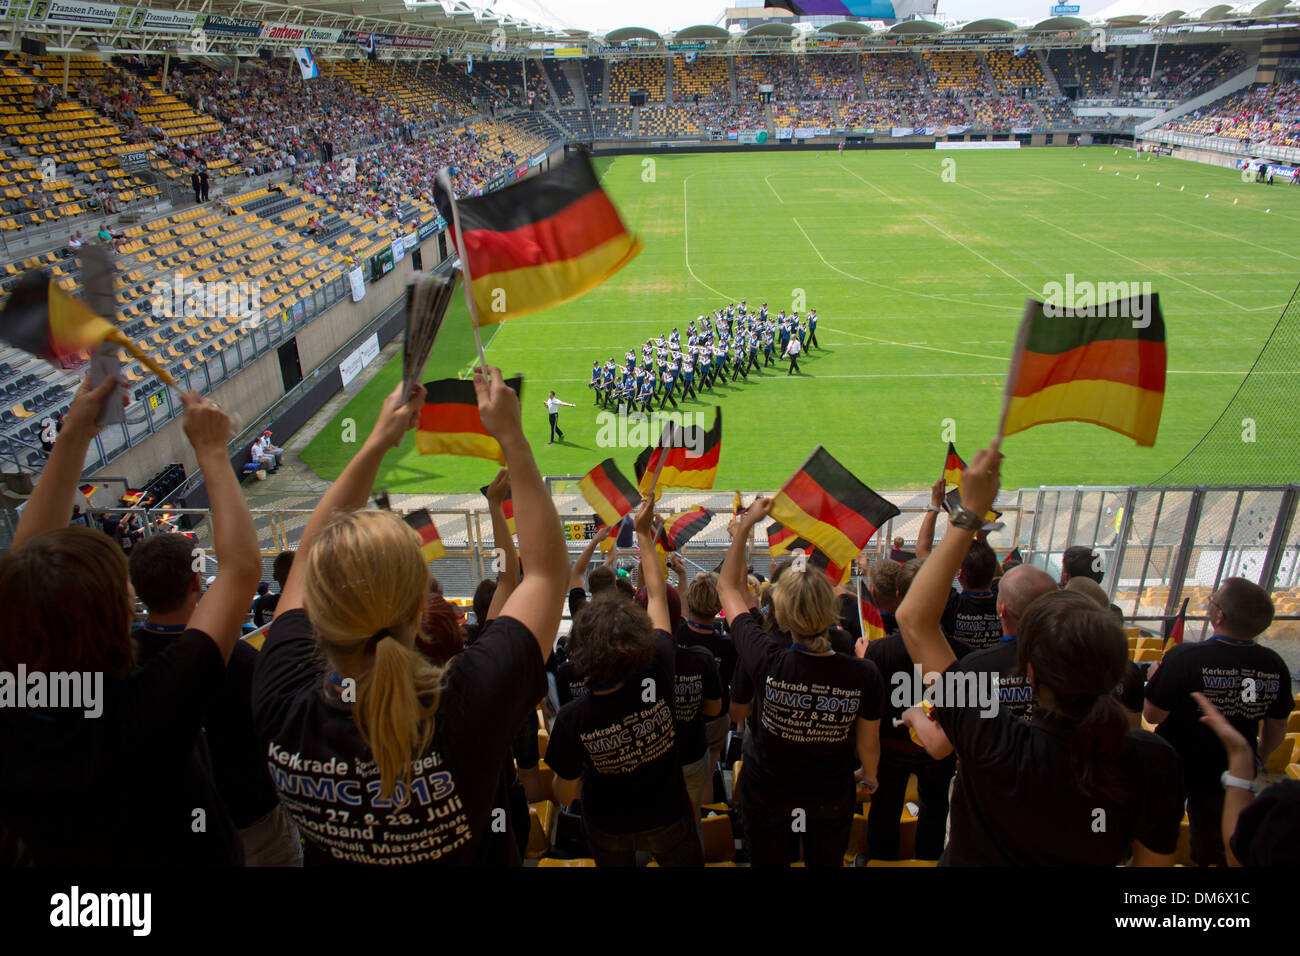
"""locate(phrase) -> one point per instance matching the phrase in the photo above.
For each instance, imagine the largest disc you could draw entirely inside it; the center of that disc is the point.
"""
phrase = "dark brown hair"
(1078, 654)
(1247, 608)
(67, 607)
(611, 639)
(162, 571)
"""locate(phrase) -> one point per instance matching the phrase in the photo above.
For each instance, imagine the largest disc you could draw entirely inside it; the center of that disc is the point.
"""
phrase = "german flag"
(873, 625)
(507, 506)
(952, 501)
(781, 539)
(87, 490)
(737, 506)
(1012, 560)
(681, 527)
(1091, 365)
(953, 466)
(42, 319)
(1174, 629)
(826, 504)
(684, 467)
(430, 543)
(539, 242)
(450, 423)
(609, 492)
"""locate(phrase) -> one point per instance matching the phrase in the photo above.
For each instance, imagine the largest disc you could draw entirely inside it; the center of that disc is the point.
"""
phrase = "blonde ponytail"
(364, 590)
(804, 605)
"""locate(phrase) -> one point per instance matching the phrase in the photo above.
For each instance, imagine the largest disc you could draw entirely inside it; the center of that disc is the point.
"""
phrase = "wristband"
(1228, 780)
(966, 519)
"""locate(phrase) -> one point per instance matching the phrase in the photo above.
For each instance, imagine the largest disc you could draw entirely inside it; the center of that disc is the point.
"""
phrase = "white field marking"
(963, 185)
(1225, 235)
(768, 179)
(1111, 198)
(869, 183)
(686, 245)
(980, 255)
(491, 338)
(1168, 275)
(909, 345)
(891, 288)
(867, 375)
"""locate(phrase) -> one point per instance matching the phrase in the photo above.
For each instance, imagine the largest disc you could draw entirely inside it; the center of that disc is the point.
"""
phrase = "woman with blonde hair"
(817, 713)
(384, 758)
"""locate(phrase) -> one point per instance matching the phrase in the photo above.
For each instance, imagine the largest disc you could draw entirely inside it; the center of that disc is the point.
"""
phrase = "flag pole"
(147, 361)
(1013, 373)
(467, 280)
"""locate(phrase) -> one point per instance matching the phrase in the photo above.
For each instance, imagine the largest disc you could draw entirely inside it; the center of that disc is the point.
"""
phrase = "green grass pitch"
(919, 284)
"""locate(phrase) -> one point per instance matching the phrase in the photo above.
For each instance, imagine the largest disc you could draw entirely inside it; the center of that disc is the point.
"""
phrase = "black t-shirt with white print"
(121, 788)
(1016, 801)
(805, 709)
(326, 776)
(1015, 694)
(696, 681)
(569, 684)
(1245, 681)
(717, 641)
(898, 671)
(622, 743)
(972, 617)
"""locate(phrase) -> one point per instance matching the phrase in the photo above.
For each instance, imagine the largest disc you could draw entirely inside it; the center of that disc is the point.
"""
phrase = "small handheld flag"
(681, 527)
(826, 504)
(507, 507)
(1103, 364)
(609, 492)
(537, 243)
(953, 466)
(781, 539)
(873, 624)
(685, 457)
(431, 545)
(1174, 629)
(450, 423)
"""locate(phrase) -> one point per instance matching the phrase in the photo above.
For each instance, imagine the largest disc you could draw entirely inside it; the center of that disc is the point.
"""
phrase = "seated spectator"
(396, 730)
(111, 779)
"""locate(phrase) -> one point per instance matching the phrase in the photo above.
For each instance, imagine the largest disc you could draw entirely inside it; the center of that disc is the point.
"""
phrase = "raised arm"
(652, 574)
(398, 415)
(921, 611)
(50, 505)
(508, 576)
(223, 608)
(539, 599)
(578, 576)
(925, 536)
(733, 590)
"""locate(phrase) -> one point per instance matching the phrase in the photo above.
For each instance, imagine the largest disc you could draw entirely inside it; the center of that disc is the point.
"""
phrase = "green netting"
(1256, 439)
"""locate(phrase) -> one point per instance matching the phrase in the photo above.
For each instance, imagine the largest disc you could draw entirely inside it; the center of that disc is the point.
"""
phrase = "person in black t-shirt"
(1019, 588)
(1246, 682)
(111, 779)
(699, 626)
(1072, 785)
(971, 614)
(388, 759)
(264, 605)
(601, 577)
(817, 714)
(164, 579)
(900, 756)
(618, 744)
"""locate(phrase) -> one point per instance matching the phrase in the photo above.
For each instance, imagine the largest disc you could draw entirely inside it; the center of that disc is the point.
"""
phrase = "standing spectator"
(633, 792)
(197, 184)
(203, 184)
(1246, 682)
(164, 580)
(1031, 793)
(816, 714)
(63, 789)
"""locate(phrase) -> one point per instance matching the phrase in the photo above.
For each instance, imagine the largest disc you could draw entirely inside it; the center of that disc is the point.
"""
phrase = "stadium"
(868, 237)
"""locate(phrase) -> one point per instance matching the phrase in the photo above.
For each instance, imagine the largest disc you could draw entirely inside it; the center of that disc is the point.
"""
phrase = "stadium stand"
(646, 73)
(558, 80)
(706, 78)
(593, 78)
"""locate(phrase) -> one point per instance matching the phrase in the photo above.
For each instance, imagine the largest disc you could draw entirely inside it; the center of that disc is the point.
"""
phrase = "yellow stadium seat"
(719, 841)
(552, 862)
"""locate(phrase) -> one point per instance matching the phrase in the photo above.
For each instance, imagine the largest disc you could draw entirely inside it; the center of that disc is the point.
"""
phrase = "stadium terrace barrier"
(1234, 148)
(1158, 545)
